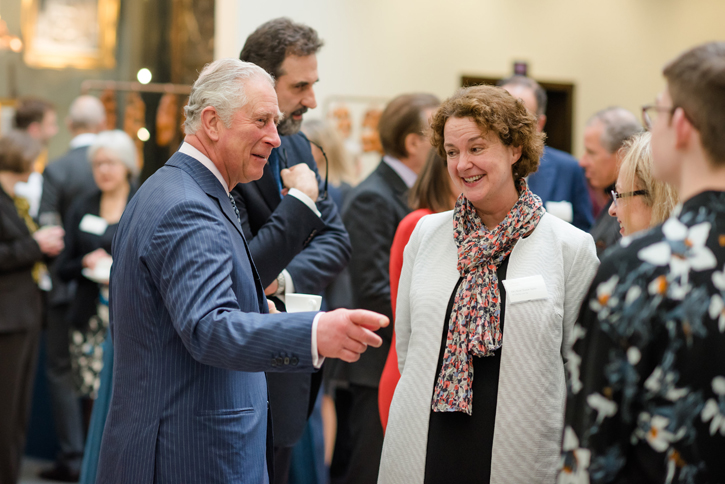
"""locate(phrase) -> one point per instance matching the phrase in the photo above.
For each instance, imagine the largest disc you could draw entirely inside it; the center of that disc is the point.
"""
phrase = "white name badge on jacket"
(93, 224)
(525, 289)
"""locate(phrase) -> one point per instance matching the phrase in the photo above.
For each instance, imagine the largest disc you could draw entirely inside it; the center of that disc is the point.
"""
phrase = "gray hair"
(619, 125)
(118, 144)
(529, 83)
(87, 112)
(221, 86)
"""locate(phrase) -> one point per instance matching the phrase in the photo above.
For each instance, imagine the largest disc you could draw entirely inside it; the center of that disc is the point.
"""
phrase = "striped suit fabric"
(189, 401)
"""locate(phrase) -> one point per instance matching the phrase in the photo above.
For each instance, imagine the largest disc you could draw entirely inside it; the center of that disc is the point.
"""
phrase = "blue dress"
(98, 417)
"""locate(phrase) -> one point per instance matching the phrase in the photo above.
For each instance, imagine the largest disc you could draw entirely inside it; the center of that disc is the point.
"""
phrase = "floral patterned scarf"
(474, 328)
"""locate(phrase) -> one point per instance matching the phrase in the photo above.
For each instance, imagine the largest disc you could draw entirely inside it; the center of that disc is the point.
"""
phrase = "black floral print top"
(647, 368)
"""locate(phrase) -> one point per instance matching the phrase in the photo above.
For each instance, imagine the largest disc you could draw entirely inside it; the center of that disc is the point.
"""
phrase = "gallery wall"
(612, 51)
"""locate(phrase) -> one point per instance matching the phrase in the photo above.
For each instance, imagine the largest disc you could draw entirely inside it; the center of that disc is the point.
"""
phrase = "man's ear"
(211, 123)
(683, 129)
(412, 143)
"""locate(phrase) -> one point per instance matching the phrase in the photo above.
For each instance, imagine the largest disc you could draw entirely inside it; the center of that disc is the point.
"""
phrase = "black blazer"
(77, 245)
(64, 180)
(372, 213)
(283, 233)
(20, 298)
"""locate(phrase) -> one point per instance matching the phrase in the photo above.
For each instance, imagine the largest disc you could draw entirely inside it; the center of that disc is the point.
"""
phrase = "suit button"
(286, 360)
(295, 360)
(279, 361)
(274, 362)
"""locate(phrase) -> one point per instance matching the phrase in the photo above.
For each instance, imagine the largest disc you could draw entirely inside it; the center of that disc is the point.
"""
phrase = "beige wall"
(613, 50)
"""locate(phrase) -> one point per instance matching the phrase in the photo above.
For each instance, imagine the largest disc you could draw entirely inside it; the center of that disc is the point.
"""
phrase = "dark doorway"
(559, 111)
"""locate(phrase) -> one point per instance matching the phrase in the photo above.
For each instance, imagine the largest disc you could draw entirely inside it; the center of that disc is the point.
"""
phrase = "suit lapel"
(392, 179)
(213, 188)
(267, 186)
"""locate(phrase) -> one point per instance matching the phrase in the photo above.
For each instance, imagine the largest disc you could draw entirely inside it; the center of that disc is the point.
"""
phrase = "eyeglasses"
(649, 119)
(285, 164)
(616, 195)
(649, 114)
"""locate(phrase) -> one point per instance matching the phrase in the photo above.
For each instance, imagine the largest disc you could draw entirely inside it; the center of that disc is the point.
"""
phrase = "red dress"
(391, 375)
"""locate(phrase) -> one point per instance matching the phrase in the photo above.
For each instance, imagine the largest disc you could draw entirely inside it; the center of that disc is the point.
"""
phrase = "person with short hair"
(488, 296)
(646, 371)
(640, 202)
(38, 118)
(559, 181)
(605, 133)
(23, 251)
(188, 314)
(91, 224)
(371, 214)
(294, 230)
(64, 181)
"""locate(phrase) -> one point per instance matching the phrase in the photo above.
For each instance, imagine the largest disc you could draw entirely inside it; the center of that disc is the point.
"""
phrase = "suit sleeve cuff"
(299, 195)
(317, 359)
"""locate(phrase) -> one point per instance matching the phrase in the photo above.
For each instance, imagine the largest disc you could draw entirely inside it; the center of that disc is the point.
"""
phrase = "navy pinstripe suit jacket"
(189, 400)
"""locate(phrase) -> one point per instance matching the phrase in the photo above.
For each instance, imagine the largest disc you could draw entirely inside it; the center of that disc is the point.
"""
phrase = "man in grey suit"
(371, 215)
(63, 181)
(604, 135)
(187, 305)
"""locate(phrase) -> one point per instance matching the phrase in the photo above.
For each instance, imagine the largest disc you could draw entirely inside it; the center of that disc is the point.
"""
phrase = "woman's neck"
(118, 193)
(113, 203)
(492, 216)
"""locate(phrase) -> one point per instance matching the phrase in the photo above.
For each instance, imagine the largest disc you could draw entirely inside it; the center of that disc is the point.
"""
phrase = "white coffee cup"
(297, 303)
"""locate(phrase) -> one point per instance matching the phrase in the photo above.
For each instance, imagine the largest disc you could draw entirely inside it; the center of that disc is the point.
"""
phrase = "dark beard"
(288, 126)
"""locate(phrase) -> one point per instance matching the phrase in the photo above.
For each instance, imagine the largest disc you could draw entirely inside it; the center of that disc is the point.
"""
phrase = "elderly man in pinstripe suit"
(188, 321)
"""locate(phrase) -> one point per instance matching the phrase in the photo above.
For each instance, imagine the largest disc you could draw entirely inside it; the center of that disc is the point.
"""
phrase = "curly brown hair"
(494, 110)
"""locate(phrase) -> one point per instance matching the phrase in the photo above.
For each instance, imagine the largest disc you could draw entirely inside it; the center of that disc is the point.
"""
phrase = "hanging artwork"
(70, 33)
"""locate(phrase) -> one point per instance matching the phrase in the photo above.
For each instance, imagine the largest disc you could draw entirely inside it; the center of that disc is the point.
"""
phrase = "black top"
(20, 298)
(77, 244)
(459, 445)
(650, 385)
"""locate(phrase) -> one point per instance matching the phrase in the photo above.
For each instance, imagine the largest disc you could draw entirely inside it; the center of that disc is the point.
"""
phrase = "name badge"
(93, 224)
(563, 210)
(525, 289)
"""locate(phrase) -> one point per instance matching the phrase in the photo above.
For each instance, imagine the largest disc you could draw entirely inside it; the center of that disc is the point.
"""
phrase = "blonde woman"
(640, 201)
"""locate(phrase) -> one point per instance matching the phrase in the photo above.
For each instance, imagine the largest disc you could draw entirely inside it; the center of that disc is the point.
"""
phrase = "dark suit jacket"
(605, 231)
(283, 233)
(20, 299)
(560, 178)
(189, 399)
(69, 264)
(372, 213)
(64, 180)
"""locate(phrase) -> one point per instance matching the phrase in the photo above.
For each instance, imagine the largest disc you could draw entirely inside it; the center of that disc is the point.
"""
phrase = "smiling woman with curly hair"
(497, 256)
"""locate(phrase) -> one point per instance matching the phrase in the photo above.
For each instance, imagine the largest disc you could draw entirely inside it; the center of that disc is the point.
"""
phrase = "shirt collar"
(404, 172)
(82, 140)
(189, 150)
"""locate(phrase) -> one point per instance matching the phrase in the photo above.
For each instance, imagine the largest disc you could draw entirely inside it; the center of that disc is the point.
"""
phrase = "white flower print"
(604, 406)
(575, 471)
(658, 379)
(604, 296)
(718, 279)
(714, 411)
(697, 256)
(573, 360)
(656, 434)
(717, 310)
